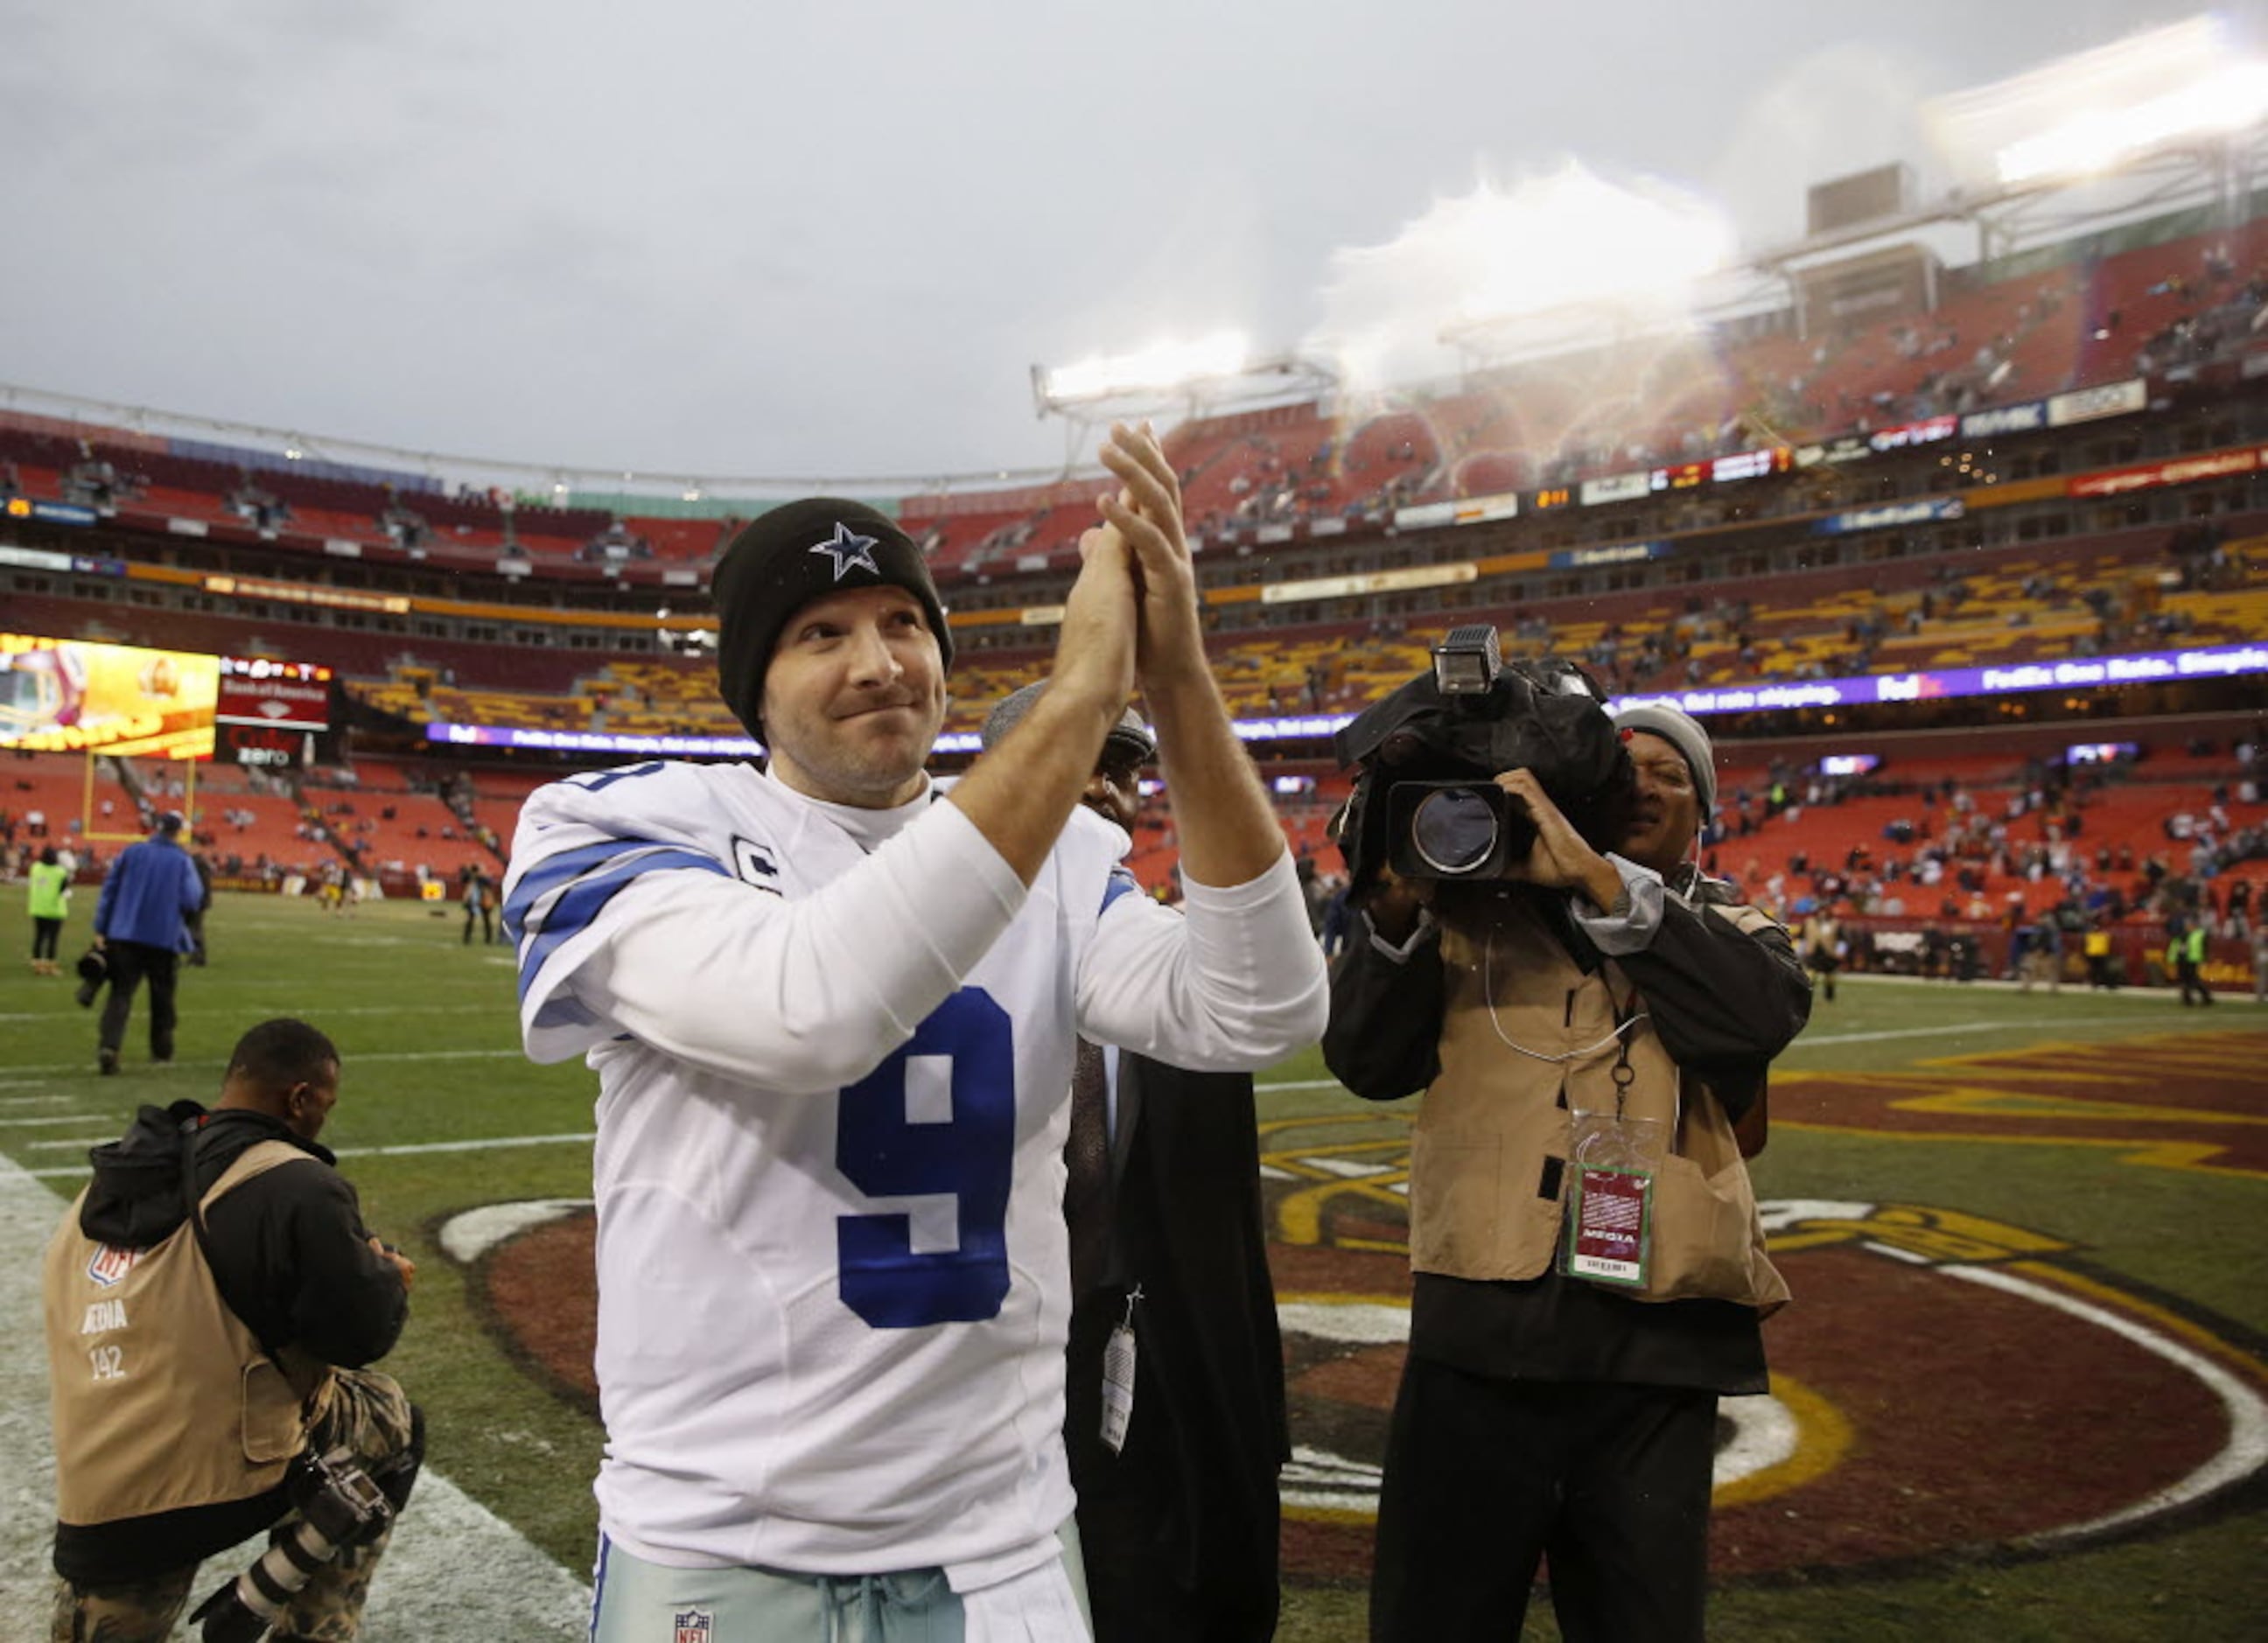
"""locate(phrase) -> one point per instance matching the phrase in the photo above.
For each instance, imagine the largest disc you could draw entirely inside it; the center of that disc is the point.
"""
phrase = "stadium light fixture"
(2089, 113)
(1492, 264)
(1163, 367)
(1575, 237)
(2230, 99)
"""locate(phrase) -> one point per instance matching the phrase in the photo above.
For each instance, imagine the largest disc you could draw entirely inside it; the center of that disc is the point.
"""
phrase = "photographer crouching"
(1591, 1020)
(209, 1300)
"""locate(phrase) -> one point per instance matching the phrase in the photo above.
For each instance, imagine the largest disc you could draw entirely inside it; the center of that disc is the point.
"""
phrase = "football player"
(833, 1013)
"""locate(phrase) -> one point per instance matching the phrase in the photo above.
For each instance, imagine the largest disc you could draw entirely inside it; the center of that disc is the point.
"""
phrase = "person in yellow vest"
(2100, 973)
(49, 887)
(210, 1302)
(1593, 1039)
(2188, 946)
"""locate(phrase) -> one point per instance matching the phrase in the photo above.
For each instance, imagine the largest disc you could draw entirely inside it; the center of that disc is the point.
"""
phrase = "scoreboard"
(270, 713)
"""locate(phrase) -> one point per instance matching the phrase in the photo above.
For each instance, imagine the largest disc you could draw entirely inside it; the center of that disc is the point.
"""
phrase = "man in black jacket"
(1178, 1519)
(195, 1368)
(1604, 1018)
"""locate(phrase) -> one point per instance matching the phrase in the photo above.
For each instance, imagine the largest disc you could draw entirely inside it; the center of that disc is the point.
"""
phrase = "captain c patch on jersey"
(754, 864)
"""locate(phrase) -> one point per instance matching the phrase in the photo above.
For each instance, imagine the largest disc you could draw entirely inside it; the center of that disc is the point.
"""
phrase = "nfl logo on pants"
(692, 1626)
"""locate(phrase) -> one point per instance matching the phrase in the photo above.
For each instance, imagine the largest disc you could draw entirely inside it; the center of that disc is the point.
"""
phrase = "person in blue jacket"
(141, 924)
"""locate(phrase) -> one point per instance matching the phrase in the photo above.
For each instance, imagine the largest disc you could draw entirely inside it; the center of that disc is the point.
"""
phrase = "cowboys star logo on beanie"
(782, 560)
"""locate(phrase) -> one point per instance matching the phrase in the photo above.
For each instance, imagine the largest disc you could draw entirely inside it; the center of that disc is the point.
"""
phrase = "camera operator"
(204, 1349)
(1554, 1400)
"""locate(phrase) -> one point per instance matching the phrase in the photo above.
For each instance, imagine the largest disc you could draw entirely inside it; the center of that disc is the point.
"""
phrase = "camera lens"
(1453, 830)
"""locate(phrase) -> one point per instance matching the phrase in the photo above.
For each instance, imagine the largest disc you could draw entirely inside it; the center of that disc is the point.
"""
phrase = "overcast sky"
(734, 239)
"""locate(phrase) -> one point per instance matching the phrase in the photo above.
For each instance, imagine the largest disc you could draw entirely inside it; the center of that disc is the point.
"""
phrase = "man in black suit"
(1178, 1517)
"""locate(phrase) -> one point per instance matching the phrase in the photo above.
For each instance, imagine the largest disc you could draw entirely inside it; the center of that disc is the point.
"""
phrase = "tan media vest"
(162, 1398)
(1479, 1208)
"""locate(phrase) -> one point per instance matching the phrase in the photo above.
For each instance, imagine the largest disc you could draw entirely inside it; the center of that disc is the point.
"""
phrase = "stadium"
(1950, 522)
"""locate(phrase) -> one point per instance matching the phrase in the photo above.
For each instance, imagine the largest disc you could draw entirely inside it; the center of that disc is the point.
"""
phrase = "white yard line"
(456, 1570)
(2243, 1451)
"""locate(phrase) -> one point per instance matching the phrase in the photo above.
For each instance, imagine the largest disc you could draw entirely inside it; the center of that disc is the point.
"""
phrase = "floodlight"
(1574, 238)
(2230, 100)
(1161, 367)
(2092, 111)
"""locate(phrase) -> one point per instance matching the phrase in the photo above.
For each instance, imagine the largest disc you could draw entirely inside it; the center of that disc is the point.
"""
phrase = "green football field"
(2023, 1388)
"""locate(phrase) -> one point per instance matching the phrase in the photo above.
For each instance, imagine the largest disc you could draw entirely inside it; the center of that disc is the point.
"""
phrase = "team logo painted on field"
(2186, 1101)
(1908, 1370)
(692, 1625)
(2029, 1400)
(109, 1264)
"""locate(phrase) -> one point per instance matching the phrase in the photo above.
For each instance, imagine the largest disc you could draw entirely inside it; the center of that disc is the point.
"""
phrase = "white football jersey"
(835, 1049)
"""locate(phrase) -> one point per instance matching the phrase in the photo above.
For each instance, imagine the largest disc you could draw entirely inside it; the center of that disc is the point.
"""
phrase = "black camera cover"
(1547, 715)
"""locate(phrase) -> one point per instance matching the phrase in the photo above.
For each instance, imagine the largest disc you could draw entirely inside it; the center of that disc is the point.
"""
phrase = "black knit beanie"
(783, 559)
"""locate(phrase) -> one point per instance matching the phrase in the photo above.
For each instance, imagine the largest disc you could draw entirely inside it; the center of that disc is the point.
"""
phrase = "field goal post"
(87, 817)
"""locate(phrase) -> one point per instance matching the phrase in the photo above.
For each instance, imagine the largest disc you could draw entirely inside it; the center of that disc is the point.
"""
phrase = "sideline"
(455, 1570)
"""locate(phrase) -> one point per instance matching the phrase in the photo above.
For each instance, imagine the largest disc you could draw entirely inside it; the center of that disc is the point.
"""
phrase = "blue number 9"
(885, 1154)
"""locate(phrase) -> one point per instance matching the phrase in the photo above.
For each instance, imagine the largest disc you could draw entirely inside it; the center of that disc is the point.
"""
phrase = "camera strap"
(193, 1201)
(1625, 1019)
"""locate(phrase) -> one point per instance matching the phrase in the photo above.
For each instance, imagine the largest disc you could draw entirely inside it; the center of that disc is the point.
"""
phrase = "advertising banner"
(2181, 470)
(2115, 399)
(288, 696)
(1926, 512)
(1623, 553)
(2026, 418)
(1616, 488)
(1462, 511)
(1928, 431)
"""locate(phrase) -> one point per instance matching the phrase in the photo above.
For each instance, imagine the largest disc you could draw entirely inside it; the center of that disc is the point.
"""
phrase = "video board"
(68, 696)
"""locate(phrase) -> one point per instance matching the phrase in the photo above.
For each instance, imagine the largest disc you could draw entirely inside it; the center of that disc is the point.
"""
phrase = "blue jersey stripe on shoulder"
(573, 912)
(554, 870)
(1122, 882)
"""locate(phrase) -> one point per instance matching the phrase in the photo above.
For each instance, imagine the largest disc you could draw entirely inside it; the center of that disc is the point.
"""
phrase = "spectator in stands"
(1177, 1505)
(258, 506)
(1543, 1405)
(615, 545)
(141, 925)
(92, 482)
(405, 525)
